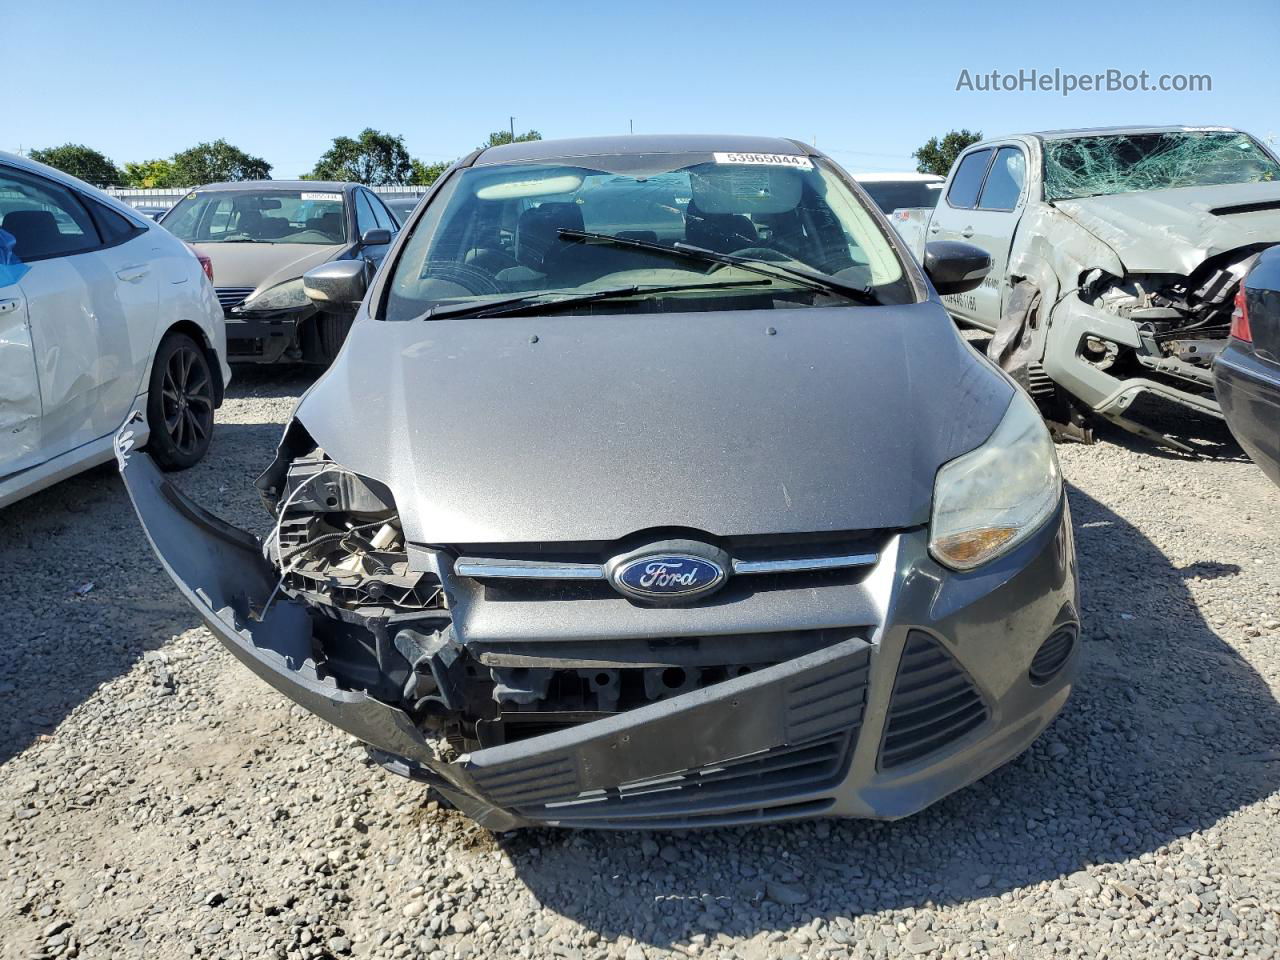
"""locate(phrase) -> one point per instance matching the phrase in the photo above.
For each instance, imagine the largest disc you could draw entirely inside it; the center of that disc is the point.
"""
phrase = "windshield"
(494, 232)
(259, 216)
(892, 195)
(1091, 166)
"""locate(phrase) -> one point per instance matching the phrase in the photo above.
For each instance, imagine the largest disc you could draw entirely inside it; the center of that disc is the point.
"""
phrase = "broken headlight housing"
(338, 543)
(989, 500)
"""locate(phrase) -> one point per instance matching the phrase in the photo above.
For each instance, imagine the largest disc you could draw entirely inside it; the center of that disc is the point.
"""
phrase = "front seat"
(721, 232)
(36, 233)
(538, 240)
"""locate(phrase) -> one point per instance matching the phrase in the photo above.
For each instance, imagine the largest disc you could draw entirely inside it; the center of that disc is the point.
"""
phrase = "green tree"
(216, 162)
(81, 161)
(936, 156)
(147, 174)
(374, 157)
(425, 174)
(499, 137)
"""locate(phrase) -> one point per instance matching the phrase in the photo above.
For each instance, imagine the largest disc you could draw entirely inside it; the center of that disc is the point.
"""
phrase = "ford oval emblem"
(667, 576)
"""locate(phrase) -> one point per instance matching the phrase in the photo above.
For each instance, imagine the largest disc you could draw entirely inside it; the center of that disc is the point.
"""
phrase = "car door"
(19, 389)
(953, 219)
(994, 222)
(366, 220)
(91, 301)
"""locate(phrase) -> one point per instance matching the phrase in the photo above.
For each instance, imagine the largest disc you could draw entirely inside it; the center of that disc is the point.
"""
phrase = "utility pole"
(632, 124)
(513, 129)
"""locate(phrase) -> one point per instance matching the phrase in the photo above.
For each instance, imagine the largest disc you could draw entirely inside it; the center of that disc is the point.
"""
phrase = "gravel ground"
(157, 800)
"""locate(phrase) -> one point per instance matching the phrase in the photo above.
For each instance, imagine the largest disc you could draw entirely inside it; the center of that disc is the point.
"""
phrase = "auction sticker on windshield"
(766, 159)
(322, 196)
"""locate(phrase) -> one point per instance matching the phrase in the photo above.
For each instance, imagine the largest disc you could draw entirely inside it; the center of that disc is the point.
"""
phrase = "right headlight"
(991, 499)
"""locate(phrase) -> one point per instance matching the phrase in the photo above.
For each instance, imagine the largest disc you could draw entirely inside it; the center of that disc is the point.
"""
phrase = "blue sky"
(869, 82)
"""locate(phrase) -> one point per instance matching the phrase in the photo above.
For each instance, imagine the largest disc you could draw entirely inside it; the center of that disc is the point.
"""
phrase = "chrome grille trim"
(526, 569)
(805, 564)
(485, 568)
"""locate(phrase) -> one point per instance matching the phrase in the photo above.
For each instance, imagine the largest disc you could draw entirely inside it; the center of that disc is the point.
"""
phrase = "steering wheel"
(472, 279)
(769, 255)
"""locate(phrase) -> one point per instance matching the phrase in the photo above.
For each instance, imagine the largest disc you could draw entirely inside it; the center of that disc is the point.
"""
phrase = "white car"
(102, 312)
(899, 191)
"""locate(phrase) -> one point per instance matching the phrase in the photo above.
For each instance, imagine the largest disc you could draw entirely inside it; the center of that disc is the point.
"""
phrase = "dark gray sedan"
(653, 488)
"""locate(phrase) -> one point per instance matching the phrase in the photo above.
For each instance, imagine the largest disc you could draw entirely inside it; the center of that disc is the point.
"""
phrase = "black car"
(1247, 371)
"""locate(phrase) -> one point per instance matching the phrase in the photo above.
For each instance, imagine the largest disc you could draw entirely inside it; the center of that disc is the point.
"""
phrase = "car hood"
(1174, 231)
(263, 265)
(573, 428)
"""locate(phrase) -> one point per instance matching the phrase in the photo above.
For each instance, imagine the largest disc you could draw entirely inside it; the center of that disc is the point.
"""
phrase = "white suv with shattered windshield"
(1116, 255)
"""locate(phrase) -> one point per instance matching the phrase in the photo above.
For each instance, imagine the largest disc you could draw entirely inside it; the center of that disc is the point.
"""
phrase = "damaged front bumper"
(929, 680)
(1084, 354)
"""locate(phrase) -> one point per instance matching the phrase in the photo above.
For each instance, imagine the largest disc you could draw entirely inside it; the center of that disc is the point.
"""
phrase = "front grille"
(744, 784)
(934, 703)
(232, 296)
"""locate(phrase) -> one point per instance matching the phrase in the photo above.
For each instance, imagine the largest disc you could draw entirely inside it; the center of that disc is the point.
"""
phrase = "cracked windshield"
(1096, 165)
(649, 233)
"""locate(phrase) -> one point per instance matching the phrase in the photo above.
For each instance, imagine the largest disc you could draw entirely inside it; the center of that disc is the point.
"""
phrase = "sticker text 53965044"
(766, 159)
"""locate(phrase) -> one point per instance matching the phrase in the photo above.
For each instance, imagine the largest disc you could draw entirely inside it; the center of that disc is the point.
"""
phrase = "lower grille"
(934, 703)
(735, 818)
(232, 296)
(1039, 383)
(745, 785)
(1051, 656)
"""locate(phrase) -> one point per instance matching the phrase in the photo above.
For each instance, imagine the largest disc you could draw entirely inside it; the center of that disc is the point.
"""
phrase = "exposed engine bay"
(382, 624)
(1182, 322)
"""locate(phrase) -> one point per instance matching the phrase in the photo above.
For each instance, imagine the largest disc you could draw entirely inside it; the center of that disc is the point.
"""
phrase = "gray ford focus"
(652, 488)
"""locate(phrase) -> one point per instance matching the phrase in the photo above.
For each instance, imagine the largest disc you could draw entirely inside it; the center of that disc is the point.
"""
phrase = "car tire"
(331, 332)
(180, 400)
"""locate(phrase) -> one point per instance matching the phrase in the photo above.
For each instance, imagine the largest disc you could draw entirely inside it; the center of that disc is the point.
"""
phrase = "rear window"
(259, 216)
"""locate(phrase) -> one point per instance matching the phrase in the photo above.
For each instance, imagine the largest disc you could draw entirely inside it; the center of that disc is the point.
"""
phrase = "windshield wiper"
(541, 301)
(686, 251)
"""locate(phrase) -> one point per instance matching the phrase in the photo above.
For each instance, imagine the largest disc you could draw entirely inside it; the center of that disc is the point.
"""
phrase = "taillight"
(205, 263)
(1240, 318)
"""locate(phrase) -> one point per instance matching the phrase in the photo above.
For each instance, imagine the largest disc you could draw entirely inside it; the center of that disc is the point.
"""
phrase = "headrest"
(537, 232)
(34, 230)
(745, 190)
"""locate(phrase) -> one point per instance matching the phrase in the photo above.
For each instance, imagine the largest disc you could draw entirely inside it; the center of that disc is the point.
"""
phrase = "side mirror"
(338, 285)
(955, 267)
(377, 237)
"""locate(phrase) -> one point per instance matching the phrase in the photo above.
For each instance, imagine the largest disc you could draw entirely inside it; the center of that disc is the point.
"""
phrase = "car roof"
(326, 186)
(899, 177)
(1113, 131)
(639, 143)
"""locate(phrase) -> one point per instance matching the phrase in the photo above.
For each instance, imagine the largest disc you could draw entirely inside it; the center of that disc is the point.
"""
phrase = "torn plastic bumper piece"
(223, 573)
